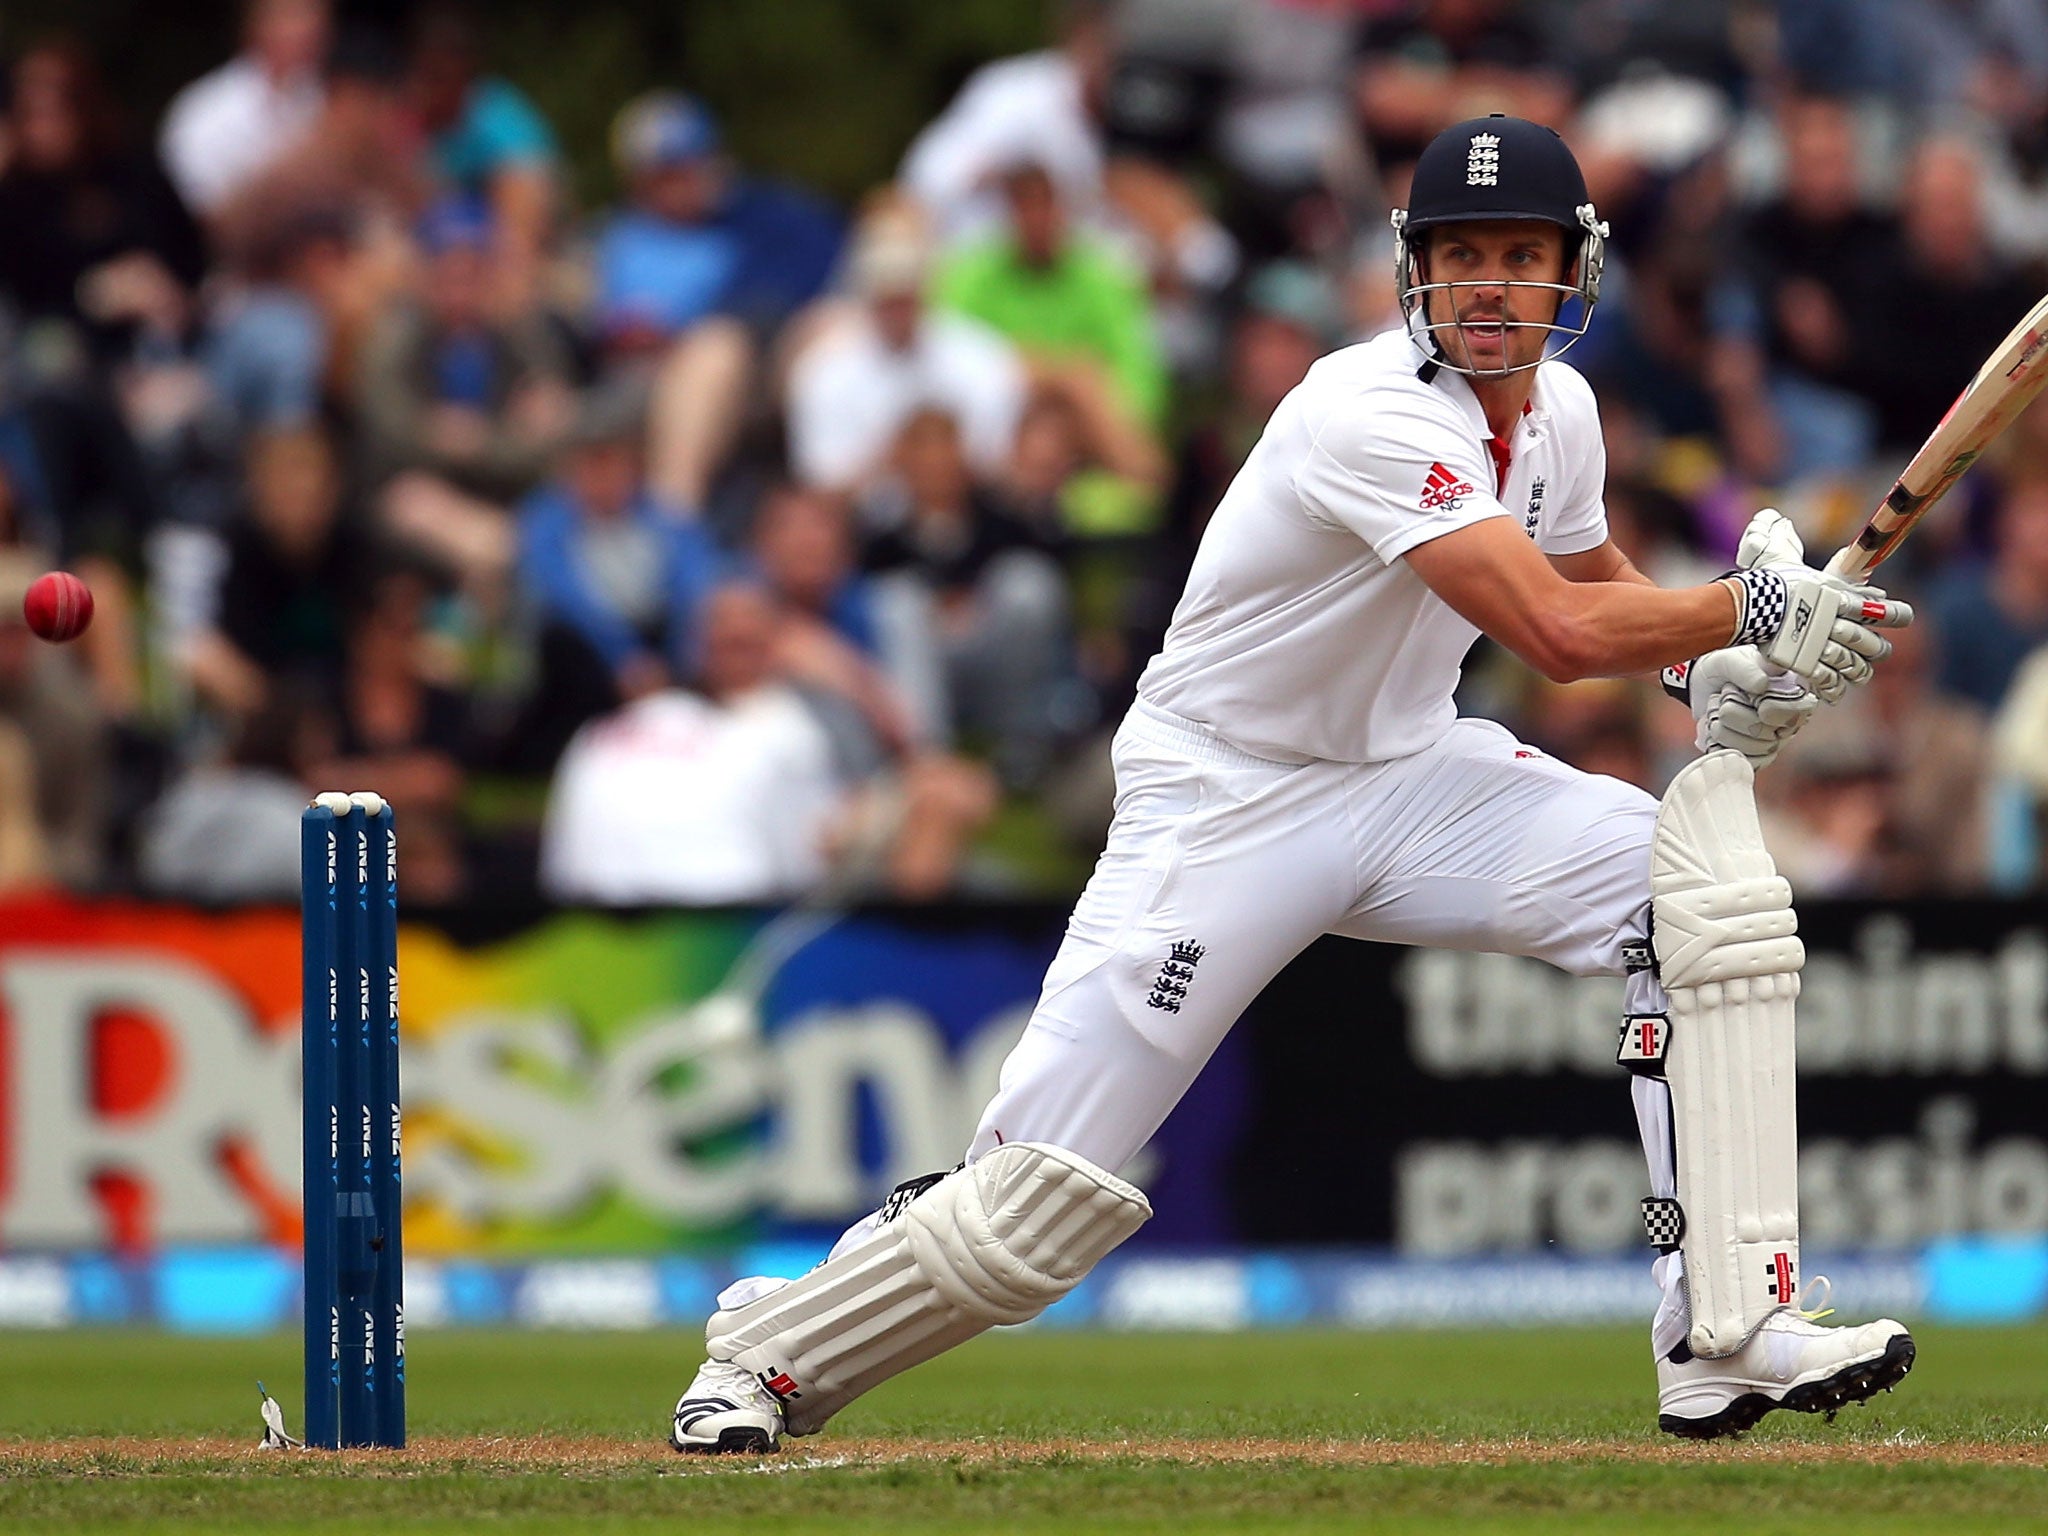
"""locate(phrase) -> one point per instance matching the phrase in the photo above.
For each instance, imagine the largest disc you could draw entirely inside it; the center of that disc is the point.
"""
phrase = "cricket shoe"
(727, 1410)
(1791, 1361)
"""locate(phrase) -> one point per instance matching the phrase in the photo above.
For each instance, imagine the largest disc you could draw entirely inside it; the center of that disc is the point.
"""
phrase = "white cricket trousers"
(1222, 866)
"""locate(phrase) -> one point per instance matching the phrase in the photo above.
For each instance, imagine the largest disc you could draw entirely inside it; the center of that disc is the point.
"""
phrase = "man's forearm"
(1629, 625)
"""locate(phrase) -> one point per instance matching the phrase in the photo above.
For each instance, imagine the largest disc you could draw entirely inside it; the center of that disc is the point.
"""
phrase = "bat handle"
(1846, 565)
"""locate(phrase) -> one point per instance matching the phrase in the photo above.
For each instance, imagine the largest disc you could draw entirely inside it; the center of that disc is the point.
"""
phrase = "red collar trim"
(1501, 452)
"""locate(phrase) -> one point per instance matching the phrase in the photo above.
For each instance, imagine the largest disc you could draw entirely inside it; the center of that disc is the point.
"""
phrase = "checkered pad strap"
(1763, 600)
(1664, 1221)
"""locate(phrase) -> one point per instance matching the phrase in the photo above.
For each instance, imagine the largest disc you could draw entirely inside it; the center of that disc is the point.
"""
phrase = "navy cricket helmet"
(1499, 167)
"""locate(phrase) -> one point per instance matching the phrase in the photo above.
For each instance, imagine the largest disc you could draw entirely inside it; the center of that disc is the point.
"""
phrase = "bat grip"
(1847, 565)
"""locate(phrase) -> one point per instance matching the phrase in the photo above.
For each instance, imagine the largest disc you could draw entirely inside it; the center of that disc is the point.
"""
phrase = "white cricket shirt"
(676, 799)
(226, 128)
(1302, 632)
(850, 393)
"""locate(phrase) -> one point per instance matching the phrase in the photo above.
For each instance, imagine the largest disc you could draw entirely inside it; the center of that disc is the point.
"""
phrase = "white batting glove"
(1739, 703)
(1770, 539)
(1820, 627)
(1816, 625)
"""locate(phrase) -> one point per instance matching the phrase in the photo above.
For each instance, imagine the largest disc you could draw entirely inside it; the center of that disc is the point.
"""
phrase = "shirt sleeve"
(1396, 473)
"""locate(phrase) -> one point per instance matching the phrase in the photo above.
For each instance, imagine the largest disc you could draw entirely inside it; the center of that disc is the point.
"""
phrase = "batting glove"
(1818, 626)
(1740, 704)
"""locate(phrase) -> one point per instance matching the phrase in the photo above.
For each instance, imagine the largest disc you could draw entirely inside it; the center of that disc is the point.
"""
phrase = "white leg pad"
(996, 1242)
(1729, 956)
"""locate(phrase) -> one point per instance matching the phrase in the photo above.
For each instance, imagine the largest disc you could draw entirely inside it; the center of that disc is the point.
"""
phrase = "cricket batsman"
(1294, 765)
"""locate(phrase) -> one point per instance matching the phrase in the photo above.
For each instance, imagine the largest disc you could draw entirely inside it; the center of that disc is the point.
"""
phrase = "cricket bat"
(2003, 387)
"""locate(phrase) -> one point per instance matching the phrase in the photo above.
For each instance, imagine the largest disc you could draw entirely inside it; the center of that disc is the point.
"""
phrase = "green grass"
(1037, 1432)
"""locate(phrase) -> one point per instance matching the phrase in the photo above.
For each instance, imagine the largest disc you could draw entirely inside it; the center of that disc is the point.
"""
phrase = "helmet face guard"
(1591, 235)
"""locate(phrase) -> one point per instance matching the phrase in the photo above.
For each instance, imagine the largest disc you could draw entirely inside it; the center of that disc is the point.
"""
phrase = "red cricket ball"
(58, 606)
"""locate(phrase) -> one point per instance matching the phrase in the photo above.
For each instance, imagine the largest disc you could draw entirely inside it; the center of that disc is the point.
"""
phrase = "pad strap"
(1664, 1222)
(1645, 1040)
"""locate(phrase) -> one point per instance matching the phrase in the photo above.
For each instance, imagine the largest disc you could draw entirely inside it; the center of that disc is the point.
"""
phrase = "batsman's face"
(1497, 317)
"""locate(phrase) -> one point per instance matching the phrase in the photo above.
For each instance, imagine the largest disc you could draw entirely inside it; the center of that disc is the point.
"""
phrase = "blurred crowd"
(723, 544)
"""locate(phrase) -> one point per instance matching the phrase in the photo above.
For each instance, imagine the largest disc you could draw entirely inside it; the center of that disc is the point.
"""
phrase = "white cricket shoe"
(1791, 1361)
(726, 1409)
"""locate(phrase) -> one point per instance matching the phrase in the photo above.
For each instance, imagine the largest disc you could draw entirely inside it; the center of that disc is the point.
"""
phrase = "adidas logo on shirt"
(1443, 490)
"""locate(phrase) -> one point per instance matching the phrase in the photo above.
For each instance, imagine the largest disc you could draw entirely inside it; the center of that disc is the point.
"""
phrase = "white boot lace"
(1817, 1308)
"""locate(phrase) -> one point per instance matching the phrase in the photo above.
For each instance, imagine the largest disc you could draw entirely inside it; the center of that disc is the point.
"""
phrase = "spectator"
(1050, 107)
(228, 831)
(1081, 466)
(1937, 754)
(97, 238)
(852, 389)
(292, 572)
(1652, 349)
(226, 127)
(1823, 811)
(487, 142)
(450, 389)
(466, 408)
(700, 267)
(1291, 316)
(1888, 790)
(1286, 127)
(1047, 106)
(1940, 300)
(721, 796)
(38, 533)
(863, 653)
(2018, 792)
(101, 263)
(402, 725)
(275, 342)
(1290, 319)
(1432, 63)
(1786, 319)
(840, 634)
(1063, 298)
(357, 160)
(75, 492)
(601, 558)
(731, 794)
(318, 246)
(1988, 614)
(1983, 56)
(998, 605)
(1657, 108)
(55, 753)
